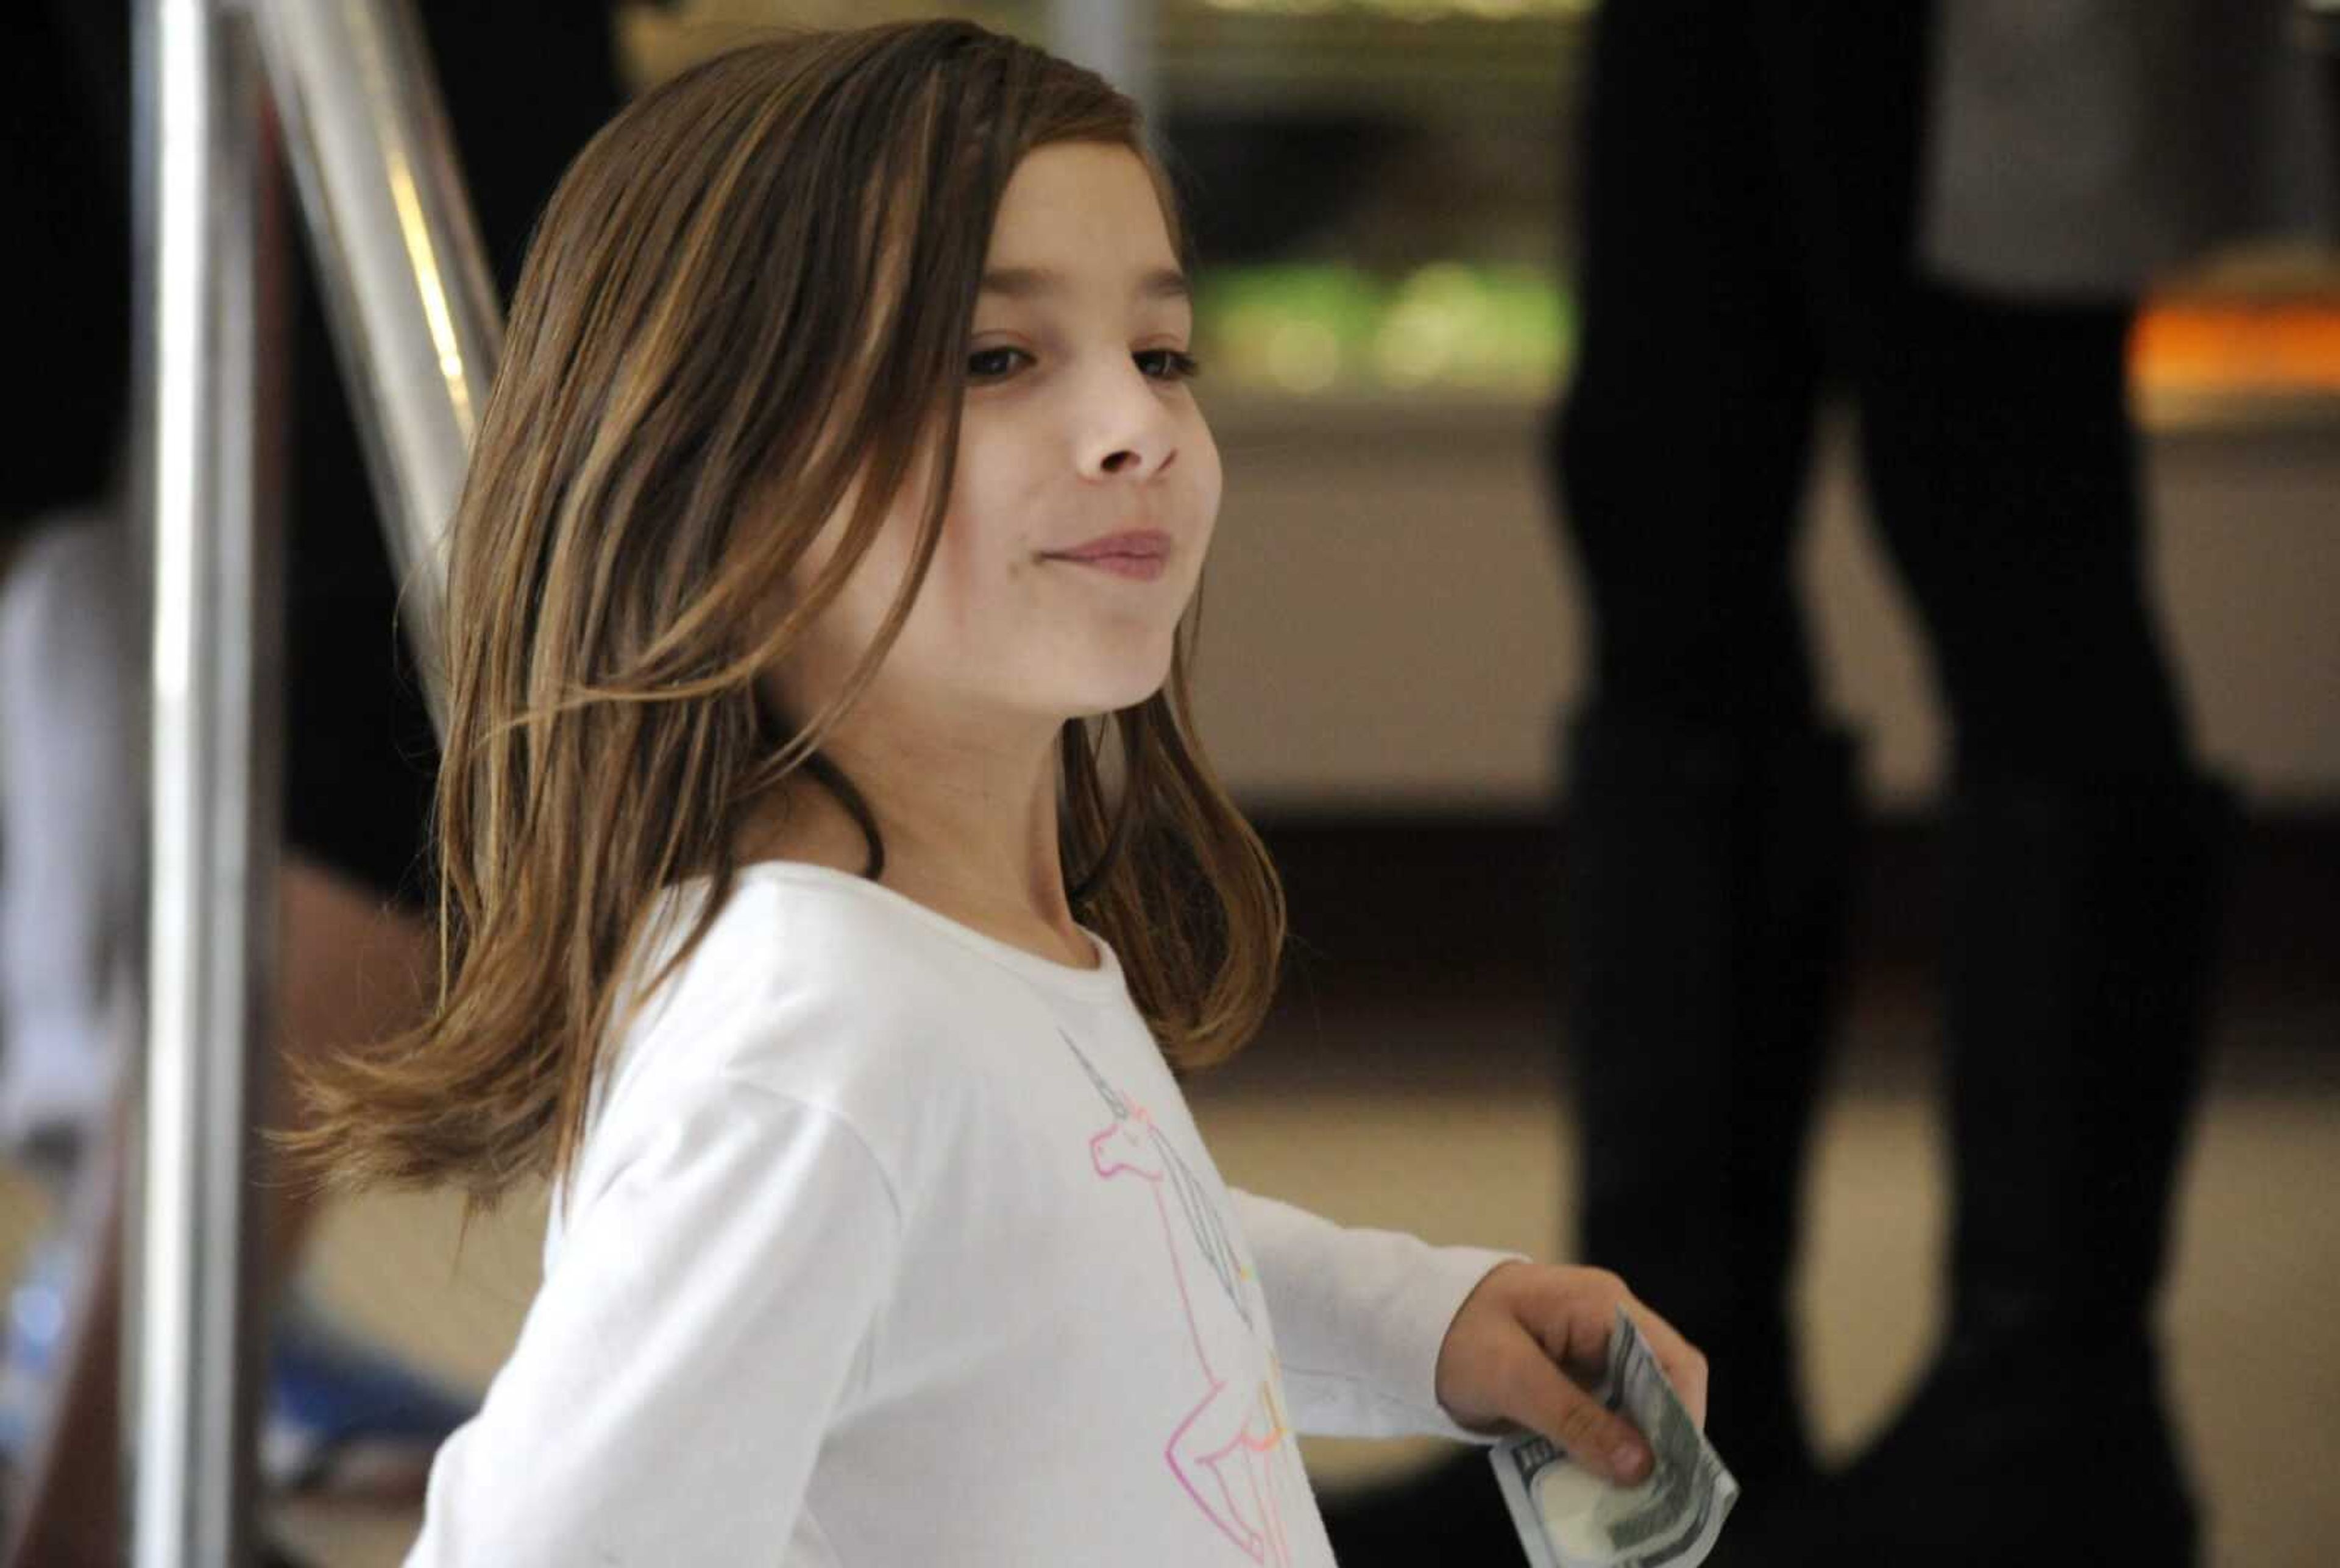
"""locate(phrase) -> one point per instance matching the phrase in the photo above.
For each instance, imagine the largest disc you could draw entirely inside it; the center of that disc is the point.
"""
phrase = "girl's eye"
(1168, 364)
(993, 364)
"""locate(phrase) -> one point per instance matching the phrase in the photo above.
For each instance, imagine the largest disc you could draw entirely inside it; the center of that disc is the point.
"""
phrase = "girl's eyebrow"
(1024, 282)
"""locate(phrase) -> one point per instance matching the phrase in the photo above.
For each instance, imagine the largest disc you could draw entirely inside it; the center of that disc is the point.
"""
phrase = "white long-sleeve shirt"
(892, 1244)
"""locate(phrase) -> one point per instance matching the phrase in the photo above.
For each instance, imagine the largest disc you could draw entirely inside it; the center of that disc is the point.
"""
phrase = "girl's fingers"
(1575, 1332)
(1682, 1363)
(1597, 1438)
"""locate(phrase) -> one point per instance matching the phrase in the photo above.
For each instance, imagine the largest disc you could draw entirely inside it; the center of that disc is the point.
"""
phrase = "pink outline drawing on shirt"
(1245, 1425)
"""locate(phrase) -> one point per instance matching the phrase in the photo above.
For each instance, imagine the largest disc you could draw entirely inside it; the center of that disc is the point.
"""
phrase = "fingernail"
(1631, 1461)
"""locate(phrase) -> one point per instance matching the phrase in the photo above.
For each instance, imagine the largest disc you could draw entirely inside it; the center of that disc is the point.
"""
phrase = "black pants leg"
(1751, 203)
(1708, 813)
(2002, 465)
(2085, 867)
(1681, 450)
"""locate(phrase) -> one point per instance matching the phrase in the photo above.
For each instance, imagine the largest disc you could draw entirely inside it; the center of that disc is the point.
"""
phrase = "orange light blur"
(2213, 345)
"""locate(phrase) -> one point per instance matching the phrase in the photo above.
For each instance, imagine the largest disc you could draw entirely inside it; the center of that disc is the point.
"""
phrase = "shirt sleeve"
(705, 1317)
(1359, 1317)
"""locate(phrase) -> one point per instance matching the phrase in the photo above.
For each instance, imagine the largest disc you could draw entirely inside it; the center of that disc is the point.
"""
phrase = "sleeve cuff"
(1420, 1317)
(1360, 1317)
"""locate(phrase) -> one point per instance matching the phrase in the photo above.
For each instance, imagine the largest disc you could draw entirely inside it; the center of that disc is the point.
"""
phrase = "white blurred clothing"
(68, 829)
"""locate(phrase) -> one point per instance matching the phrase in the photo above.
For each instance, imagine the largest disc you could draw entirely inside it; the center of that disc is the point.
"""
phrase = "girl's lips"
(1143, 568)
(1143, 554)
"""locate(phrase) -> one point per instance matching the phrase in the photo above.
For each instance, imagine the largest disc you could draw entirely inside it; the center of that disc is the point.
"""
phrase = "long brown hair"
(746, 308)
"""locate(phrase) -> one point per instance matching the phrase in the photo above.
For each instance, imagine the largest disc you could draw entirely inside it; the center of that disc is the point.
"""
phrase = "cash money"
(1568, 1517)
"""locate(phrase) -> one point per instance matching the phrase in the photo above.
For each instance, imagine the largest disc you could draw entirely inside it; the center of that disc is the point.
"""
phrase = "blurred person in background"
(1945, 215)
(526, 82)
(67, 806)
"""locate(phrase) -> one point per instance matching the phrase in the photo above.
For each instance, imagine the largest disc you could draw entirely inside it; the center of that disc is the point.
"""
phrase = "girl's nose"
(1127, 432)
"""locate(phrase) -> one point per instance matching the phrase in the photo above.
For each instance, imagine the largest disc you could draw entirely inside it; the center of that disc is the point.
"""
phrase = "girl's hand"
(1532, 1338)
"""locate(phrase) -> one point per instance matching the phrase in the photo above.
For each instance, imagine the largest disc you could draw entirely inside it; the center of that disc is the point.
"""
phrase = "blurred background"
(1381, 193)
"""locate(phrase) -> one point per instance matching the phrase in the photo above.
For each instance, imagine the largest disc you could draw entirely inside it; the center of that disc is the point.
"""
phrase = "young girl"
(842, 474)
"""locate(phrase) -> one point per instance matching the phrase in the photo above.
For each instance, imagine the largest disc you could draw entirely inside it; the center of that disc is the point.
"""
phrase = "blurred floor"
(1438, 1110)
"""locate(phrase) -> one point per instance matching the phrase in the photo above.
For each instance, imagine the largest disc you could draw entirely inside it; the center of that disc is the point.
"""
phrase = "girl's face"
(1087, 482)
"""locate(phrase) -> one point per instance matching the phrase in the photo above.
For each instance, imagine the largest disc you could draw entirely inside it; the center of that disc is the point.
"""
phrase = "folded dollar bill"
(1568, 1517)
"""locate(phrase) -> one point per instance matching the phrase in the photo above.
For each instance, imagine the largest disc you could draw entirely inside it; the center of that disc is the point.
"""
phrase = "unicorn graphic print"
(1232, 1450)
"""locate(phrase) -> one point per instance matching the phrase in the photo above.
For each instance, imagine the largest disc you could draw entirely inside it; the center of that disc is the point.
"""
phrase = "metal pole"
(1114, 38)
(405, 276)
(208, 379)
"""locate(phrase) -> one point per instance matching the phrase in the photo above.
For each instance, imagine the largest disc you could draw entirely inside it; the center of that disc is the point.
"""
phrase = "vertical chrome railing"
(208, 333)
(1114, 38)
(415, 319)
(404, 275)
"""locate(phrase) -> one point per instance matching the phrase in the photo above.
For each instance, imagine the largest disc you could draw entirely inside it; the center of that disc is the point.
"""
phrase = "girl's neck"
(972, 837)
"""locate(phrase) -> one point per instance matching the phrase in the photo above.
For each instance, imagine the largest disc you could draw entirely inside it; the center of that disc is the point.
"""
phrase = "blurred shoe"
(1453, 1514)
(2031, 1456)
(39, 1307)
(2082, 943)
(346, 1418)
(1449, 1515)
(1771, 1526)
(343, 1417)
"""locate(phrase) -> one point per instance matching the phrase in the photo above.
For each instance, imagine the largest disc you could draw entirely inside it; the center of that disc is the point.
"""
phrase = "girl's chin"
(1097, 699)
